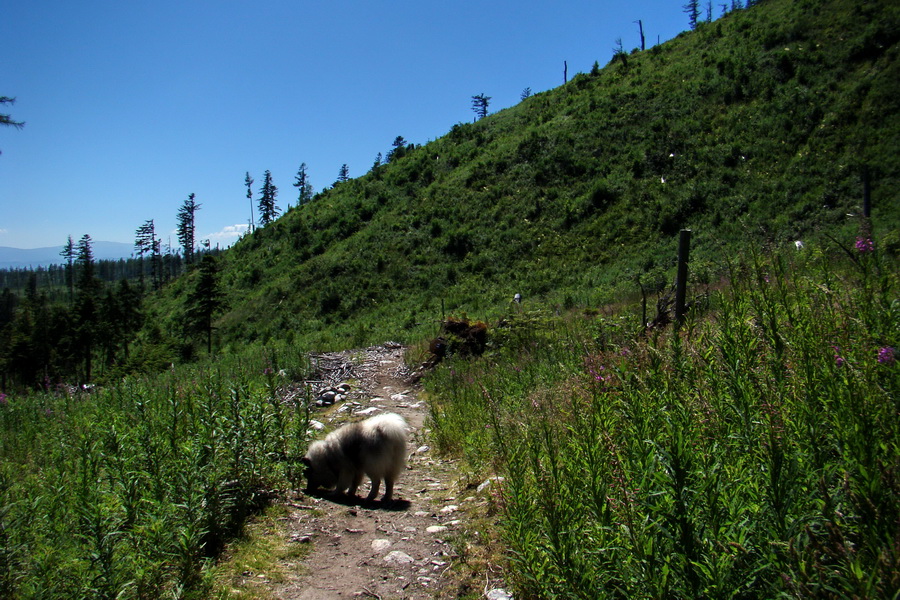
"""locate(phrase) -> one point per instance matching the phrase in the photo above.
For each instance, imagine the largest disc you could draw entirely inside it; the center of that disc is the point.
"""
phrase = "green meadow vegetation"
(752, 452)
(133, 489)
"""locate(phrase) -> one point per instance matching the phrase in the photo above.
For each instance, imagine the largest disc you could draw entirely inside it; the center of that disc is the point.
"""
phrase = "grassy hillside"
(753, 128)
(754, 453)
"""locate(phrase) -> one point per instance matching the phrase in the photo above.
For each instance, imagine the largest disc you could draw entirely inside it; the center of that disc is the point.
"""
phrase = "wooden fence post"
(684, 249)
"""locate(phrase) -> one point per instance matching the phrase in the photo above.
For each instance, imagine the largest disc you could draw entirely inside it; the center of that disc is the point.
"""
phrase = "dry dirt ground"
(401, 550)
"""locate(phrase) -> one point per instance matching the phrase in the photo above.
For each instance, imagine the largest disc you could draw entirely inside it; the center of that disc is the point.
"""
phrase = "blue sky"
(131, 106)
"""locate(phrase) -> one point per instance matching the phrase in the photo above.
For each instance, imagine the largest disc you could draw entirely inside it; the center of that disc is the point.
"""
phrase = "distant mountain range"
(18, 258)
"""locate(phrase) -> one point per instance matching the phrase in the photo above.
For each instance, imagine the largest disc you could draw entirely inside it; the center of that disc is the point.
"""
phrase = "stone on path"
(400, 558)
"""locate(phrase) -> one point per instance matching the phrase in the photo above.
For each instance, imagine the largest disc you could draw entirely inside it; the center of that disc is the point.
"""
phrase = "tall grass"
(754, 453)
(129, 491)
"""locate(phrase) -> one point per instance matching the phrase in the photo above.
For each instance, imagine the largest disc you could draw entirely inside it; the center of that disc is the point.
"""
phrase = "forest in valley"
(747, 448)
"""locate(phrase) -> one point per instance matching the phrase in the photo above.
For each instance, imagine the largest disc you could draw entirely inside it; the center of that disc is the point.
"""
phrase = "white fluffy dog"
(375, 447)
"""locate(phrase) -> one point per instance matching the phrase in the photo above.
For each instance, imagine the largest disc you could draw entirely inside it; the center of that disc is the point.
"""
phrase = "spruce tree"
(68, 253)
(7, 119)
(268, 210)
(187, 228)
(480, 105)
(304, 187)
(398, 149)
(86, 317)
(343, 174)
(204, 301)
(248, 181)
(692, 9)
(146, 243)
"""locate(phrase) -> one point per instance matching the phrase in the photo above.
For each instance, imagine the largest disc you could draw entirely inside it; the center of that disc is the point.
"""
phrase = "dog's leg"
(388, 489)
(376, 483)
(357, 479)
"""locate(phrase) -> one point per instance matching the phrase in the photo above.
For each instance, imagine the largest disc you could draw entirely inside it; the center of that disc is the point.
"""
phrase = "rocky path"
(396, 551)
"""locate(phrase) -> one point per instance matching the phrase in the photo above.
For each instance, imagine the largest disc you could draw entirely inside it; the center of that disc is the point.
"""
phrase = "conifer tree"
(85, 317)
(398, 149)
(204, 301)
(304, 187)
(480, 105)
(68, 253)
(117, 320)
(87, 277)
(343, 174)
(692, 9)
(248, 181)
(187, 228)
(268, 210)
(7, 119)
(619, 53)
(145, 243)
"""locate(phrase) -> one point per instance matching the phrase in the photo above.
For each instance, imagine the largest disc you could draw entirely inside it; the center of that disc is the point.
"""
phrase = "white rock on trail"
(400, 558)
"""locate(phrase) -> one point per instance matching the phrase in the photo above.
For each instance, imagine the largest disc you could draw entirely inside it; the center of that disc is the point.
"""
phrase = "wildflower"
(886, 356)
(268, 371)
(3, 399)
(864, 245)
(597, 375)
(625, 351)
(838, 359)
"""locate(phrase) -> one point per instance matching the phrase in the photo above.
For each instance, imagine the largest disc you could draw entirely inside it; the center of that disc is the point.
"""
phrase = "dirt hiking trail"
(360, 550)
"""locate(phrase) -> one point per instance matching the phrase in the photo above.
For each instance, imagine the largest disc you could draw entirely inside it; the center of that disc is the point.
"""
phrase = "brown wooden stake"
(684, 249)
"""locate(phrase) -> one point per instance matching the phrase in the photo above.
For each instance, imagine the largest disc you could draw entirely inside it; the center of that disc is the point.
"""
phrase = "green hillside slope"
(753, 128)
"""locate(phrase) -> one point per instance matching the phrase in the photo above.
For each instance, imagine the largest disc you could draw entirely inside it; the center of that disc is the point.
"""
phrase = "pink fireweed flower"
(886, 356)
(838, 359)
(597, 375)
(864, 245)
(3, 399)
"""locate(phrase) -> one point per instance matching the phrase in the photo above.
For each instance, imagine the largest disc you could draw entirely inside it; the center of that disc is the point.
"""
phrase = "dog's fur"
(375, 447)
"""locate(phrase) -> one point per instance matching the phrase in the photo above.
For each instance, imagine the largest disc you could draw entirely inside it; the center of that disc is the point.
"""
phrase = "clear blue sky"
(132, 105)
